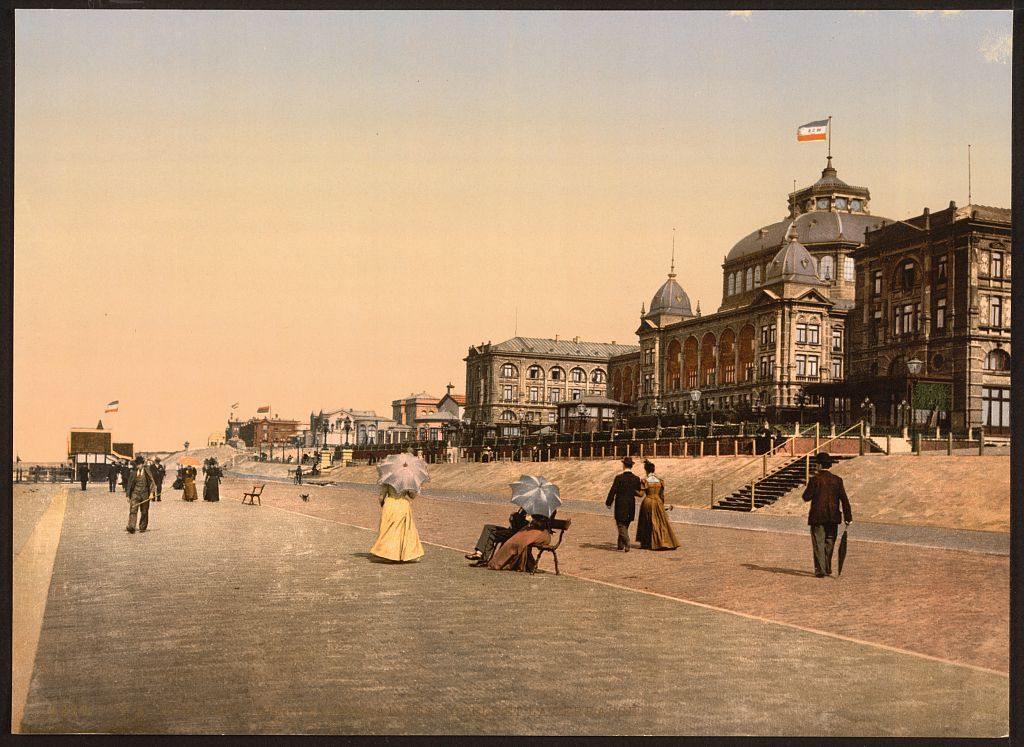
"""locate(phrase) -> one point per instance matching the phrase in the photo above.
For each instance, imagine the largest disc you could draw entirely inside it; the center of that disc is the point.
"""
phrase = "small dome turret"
(793, 264)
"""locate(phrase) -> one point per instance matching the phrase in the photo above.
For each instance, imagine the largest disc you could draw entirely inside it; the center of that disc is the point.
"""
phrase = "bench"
(559, 525)
(254, 494)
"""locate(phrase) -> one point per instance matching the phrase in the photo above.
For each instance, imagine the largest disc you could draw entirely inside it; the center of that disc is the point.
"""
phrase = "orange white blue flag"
(812, 131)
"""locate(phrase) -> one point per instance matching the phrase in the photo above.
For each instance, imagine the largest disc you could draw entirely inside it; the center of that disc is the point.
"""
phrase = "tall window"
(767, 366)
(997, 360)
(750, 279)
(827, 267)
(995, 265)
(812, 366)
(508, 370)
(801, 365)
(848, 269)
(768, 334)
(837, 339)
(876, 283)
(598, 377)
(757, 276)
(813, 334)
(940, 314)
(557, 374)
(506, 393)
(576, 394)
(534, 394)
(940, 269)
(648, 383)
(996, 311)
(732, 285)
(837, 369)
(649, 357)
(907, 275)
(578, 375)
(554, 395)
(995, 407)
(535, 372)
(801, 332)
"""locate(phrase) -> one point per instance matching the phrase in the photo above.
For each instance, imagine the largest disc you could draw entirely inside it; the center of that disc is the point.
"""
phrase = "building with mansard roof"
(822, 312)
(787, 291)
(514, 387)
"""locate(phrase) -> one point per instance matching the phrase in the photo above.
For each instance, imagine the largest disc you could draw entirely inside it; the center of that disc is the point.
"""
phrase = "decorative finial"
(672, 267)
(643, 308)
(698, 307)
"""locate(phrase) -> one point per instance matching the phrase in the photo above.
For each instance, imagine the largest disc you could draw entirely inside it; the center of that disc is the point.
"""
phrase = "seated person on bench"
(514, 554)
(493, 535)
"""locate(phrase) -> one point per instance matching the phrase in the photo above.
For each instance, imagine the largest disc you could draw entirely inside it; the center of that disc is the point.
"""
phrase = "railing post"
(888, 445)
(702, 448)
(712, 493)
(807, 469)
(735, 447)
(718, 443)
(817, 436)
(917, 443)
(752, 482)
(861, 438)
(981, 441)
(949, 443)
(670, 449)
(686, 449)
(764, 464)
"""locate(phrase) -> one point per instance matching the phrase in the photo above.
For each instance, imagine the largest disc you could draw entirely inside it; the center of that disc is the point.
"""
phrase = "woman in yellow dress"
(653, 530)
(397, 539)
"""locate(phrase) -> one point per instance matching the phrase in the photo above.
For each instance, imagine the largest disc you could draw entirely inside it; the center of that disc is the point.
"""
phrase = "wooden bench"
(254, 494)
(557, 525)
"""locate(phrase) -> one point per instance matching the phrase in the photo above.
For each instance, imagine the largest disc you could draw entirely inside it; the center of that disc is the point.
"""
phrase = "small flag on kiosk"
(112, 406)
(813, 131)
(265, 408)
(234, 406)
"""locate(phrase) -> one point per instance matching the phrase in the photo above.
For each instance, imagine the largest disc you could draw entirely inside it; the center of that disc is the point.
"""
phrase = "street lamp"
(801, 400)
(904, 408)
(467, 427)
(914, 366)
(581, 413)
(694, 399)
(659, 410)
(348, 428)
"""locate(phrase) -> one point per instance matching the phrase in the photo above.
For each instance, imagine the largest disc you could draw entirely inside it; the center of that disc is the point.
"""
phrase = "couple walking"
(653, 530)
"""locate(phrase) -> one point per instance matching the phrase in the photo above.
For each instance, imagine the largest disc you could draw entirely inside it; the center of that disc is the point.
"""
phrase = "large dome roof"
(815, 227)
(670, 299)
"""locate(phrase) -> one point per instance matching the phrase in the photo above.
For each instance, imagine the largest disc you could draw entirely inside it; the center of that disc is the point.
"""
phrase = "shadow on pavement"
(602, 546)
(772, 569)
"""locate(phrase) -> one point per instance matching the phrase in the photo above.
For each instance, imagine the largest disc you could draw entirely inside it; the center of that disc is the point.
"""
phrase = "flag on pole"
(112, 406)
(812, 131)
(265, 408)
(234, 406)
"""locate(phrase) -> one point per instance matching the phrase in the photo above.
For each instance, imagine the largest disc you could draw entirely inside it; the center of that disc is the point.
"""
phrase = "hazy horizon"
(320, 209)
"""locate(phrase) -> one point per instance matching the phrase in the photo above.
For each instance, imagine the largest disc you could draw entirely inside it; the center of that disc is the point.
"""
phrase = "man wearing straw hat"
(624, 492)
(826, 493)
(141, 489)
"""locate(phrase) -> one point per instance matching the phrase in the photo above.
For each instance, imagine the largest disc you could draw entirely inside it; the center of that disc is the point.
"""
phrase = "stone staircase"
(772, 487)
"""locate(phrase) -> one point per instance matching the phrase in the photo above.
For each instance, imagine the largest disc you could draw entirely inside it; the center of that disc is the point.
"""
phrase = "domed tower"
(670, 303)
(831, 218)
(793, 270)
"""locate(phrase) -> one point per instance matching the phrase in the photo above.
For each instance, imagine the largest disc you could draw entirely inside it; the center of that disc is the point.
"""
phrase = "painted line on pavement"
(747, 615)
(30, 588)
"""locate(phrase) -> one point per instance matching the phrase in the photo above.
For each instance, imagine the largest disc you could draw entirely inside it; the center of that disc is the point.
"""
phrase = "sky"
(326, 209)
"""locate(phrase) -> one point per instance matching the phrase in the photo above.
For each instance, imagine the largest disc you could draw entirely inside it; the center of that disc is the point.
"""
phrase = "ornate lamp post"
(348, 428)
(694, 399)
(659, 410)
(801, 400)
(914, 366)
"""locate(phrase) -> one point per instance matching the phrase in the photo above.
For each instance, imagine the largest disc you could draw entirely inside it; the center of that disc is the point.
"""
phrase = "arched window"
(557, 374)
(598, 377)
(509, 371)
(827, 267)
(757, 276)
(732, 285)
(508, 415)
(578, 376)
(997, 360)
(535, 372)
(750, 279)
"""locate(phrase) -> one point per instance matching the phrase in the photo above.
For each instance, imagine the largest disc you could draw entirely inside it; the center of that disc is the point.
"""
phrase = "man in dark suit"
(624, 492)
(83, 474)
(827, 494)
(112, 473)
(159, 471)
(141, 488)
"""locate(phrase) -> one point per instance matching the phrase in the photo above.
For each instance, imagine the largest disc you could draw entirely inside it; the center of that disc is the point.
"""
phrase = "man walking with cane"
(826, 493)
(623, 493)
(141, 489)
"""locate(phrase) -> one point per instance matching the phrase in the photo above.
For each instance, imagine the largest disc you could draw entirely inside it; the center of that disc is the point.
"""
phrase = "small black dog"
(304, 496)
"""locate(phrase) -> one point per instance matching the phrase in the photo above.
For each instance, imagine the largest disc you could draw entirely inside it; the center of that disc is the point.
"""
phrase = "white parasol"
(536, 495)
(402, 472)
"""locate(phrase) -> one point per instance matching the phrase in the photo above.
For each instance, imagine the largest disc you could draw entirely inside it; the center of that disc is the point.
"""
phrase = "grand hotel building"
(823, 310)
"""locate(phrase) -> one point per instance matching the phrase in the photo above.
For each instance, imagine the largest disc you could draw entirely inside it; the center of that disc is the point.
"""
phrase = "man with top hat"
(624, 492)
(829, 506)
(141, 489)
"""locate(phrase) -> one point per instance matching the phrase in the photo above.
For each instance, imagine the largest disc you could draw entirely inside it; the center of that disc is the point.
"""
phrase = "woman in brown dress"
(514, 554)
(653, 530)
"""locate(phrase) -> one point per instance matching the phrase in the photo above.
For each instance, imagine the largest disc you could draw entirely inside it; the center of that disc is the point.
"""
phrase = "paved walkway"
(274, 619)
(994, 543)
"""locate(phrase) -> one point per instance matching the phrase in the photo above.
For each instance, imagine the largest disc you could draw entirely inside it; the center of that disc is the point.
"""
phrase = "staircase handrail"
(763, 458)
(805, 456)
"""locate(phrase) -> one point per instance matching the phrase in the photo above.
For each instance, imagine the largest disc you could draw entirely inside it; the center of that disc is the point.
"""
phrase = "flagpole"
(829, 135)
(968, 173)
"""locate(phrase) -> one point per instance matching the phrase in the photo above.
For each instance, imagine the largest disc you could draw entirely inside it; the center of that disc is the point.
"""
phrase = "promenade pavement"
(226, 618)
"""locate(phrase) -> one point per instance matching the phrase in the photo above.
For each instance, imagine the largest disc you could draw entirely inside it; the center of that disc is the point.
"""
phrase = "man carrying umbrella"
(624, 492)
(826, 493)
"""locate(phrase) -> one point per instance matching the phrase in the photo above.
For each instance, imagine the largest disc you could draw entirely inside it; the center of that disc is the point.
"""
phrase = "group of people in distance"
(185, 481)
(508, 547)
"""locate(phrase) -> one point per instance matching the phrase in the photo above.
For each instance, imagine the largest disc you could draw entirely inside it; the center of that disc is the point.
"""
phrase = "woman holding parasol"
(400, 477)
(539, 499)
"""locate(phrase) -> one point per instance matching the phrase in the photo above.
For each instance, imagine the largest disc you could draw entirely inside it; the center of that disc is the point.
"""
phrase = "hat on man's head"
(824, 459)
(139, 459)
(627, 462)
